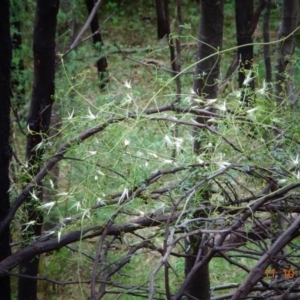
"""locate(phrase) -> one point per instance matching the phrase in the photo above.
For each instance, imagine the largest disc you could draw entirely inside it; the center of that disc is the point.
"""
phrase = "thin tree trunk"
(38, 123)
(5, 150)
(205, 85)
(266, 35)
(162, 25)
(244, 16)
(284, 50)
(199, 286)
(56, 122)
(97, 40)
(246, 21)
(209, 42)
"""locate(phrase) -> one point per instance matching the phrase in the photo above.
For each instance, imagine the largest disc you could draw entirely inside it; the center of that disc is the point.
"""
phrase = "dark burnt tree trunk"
(163, 28)
(5, 151)
(246, 21)
(170, 40)
(266, 35)
(244, 11)
(63, 42)
(38, 123)
(97, 40)
(199, 286)
(205, 85)
(209, 42)
(284, 50)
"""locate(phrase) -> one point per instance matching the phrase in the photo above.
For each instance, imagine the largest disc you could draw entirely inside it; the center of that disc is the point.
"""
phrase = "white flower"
(262, 91)
(248, 78)
(70, 117)
(92, 153)
(128, 99)
(58, 235)
(127, 84)
(223, 164)
(63, 194)
(167, 161)
(100, 201)
(222, 106)
(178, 143)
(33, 195)
(77, 205)
(192, 92)
(167, 141)
(124, 195)
(48, 205)
(126, 142)
(296, 160)
(91, 116)
(200, 161)
(153, 154)
(237, 94)
(250, 111)
(86, 213)
(211, 101)
(51, 183)
(188, 100)
(29, 224)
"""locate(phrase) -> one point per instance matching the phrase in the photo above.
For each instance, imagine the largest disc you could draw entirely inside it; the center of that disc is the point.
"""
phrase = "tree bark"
(284, 50)
(244, 15)
(5, 150)
(246, 23)
(205, 85)
(209, 42)
(163, 28)
(97, 40)
(266, 35)
(199, 286)
(38, 124)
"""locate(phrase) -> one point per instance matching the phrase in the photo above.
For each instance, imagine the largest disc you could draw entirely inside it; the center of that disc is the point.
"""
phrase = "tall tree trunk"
(63, 30)
(163, 28)
(244, 15)
(209, 42)
(266, 35)
(246, 21)
(206, 74)
(97, 40)
(284, 50)
(5, 150)
(199, 286)
(38, 123)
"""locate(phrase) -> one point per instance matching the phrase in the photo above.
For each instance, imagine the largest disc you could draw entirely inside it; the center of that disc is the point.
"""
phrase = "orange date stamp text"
(287, 273)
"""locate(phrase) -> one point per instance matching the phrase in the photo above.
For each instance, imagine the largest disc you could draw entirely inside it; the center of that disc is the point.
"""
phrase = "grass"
(125, 154)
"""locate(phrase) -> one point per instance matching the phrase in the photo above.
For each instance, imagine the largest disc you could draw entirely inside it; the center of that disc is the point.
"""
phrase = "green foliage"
(111, 172)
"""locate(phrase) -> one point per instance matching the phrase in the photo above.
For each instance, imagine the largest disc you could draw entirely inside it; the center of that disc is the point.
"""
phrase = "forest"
(149, 149)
